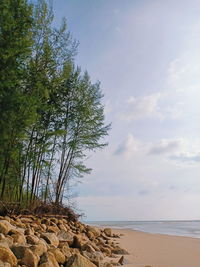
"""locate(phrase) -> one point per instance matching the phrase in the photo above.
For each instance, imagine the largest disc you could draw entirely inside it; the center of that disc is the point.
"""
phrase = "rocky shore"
(53, 241)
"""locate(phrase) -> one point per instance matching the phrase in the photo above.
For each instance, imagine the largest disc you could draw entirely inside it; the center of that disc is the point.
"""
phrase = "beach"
(159, 250)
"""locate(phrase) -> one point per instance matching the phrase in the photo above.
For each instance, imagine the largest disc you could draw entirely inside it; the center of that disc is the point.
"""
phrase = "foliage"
(51, 113)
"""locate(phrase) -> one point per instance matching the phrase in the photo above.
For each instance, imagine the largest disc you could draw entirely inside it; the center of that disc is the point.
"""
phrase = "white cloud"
(166, 146)
(183, 71)
(180, 150)
(146, 106)
(160, 105)
(128, 147)
(186, 157)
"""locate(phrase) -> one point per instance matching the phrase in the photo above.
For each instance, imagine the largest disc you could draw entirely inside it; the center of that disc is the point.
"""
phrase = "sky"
(146, 54)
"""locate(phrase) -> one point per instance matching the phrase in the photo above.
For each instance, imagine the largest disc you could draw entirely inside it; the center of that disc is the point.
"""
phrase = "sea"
(176, 228)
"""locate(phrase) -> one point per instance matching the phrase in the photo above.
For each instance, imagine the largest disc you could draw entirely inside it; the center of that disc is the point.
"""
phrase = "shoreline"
(159, 250)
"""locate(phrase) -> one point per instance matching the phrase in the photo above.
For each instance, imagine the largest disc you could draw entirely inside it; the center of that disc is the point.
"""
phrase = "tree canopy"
(51, 112)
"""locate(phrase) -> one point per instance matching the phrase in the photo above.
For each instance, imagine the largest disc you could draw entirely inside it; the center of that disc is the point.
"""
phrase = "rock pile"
(54, 241)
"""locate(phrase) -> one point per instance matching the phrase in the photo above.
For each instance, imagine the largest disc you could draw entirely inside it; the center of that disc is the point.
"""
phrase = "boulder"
(60, 257)
(43, 226)
(106, 250)
(94, 246)
(66, 252)
(19, 251)
(90, 235)
(29, 231)
(6, 255)
(26, 220)
(4, 264)
(96, 232)
(61, 226)
(122, 261)
(14, 231)
(78, 242)
(108, 232)
(108, 264)
(119, 251)
(93, 256)
(65, 236)
(78, 260)
(54, 220)
(39, 249)
(6, 242)
(32, 239)
(5, 227)
(19, 238)
(29, 259)
(53, 229)
(2, 236)
(87, 247)
(48, 260)
(51, 239)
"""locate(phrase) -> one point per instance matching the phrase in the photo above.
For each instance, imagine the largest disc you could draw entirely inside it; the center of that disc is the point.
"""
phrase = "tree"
(15, 48)
(51, 112)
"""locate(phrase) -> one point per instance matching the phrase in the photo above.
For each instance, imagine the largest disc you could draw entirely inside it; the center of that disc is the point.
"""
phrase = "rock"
(66, 252)
(6, 255)
(2, 236)
(65, 236)
(4, 264)
(78, 260)
(120, 251)
(106, 250)
(108, 232)
(26, 220)
(116, 236)
(93, 256)
(45, 221)
(88, 248)
(60, 257)
(15, 231)
(48, 260)
(44, 227)
(107, 264)
(78, 242)
(54, 220)
(122, 261)
(62, 227)
(90, 235)
(94, 246)
(104, 236)
(29, 259)
(19, 238)
(6, 242)
(51, 238)
(5, 227)
(32, 239)
(96, 232)
(53, 229)
(29, 231)
(39, 249)
(19, 251)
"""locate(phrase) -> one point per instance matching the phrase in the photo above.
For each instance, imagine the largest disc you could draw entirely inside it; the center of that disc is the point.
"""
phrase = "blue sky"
(146, 55)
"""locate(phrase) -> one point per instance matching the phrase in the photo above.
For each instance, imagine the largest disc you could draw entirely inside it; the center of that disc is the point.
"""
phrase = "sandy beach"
(156, 250)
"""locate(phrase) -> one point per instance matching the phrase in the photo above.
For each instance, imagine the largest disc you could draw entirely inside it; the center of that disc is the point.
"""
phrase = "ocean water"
(178, 228)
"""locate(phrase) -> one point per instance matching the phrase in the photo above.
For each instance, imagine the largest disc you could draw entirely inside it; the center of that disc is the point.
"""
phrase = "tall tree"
(15, 48)
(51, 113)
